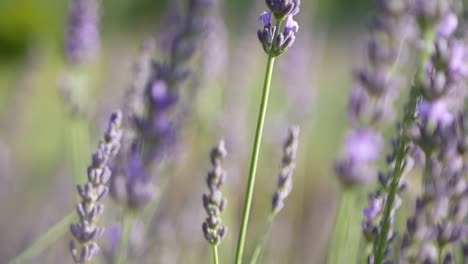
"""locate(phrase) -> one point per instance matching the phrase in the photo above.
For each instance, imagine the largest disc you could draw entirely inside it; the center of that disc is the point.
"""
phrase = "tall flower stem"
(45, 240)
(215, 254)
(79, 142)
(259, 247)
(428, 34)
(255, 153)
(345, 244)
(126, 228)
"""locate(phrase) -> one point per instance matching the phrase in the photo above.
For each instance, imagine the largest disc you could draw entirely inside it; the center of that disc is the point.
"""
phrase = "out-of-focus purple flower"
(265, 18)
(447, 26)
(436, 113)
(457, 64)
(82, 42)
(140, 190)
(374, 209)
(362, 148)
(112, 239)
(291, 25)
(156, 92)
(160, 95)
(363, 145)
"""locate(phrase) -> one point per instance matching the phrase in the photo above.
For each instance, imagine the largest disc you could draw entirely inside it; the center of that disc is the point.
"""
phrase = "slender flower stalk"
(370, 106)
(274, 44)
(45, 240)
(86, 231)
(213, 201)
(284, 187)
(428, 19)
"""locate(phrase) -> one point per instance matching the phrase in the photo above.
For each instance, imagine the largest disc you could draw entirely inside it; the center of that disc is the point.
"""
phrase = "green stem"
(79, 142)
(215, 254)
(44, 241)
(126, 228)
(344, 246)
(261, 242)
(400, 153)
(255, 153)
(427, 178)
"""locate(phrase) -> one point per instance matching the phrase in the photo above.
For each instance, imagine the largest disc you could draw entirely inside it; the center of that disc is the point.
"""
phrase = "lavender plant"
(274, 44)
(81, 48)
(152, 118)
(284, 186)
(438, 77)
(84, 248)
(213, 201)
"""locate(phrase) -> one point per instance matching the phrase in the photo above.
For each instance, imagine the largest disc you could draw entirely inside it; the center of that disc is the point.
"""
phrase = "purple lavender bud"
(213, 201)
(375, 208)
(265, 18)
(447, 26)
(435, 113)
(160, 96)
(139, 187)
(86, 232)
(283, 8)
(83, 32)
(362, 147)
(291, 25)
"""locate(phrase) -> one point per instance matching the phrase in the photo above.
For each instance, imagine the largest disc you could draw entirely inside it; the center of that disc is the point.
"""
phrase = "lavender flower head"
(86, 232)
(362, 148)
(154, 119)
(287, 168)
(82, 42)
(276, 43)
(213, 201)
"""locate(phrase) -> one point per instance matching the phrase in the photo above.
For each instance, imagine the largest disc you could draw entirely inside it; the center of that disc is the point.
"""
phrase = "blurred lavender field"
(311, 84)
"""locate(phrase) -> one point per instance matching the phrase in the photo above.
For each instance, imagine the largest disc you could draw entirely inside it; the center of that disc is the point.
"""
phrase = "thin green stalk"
(79, 142)
(400, 153)
(440, 254)
(344, 246)
(45, 240)
(427, 179)
(126, 228)
(255, 153)
(215, 254)
(261, 242)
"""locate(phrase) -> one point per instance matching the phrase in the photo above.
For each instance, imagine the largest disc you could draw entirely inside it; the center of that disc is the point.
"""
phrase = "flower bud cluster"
(154, 95)
(375, 90)
(287, 168)
(274, 42)
(213, 201)
(89, 210)
(438, 223)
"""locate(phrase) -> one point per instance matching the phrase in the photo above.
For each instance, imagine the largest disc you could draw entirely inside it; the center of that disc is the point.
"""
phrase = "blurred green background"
(36, 186)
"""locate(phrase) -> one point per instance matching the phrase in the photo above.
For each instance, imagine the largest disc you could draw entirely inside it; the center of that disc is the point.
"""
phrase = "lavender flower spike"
(287, 168)
(83, 32)
(213, 201)
(86, 232)
(274, 42)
